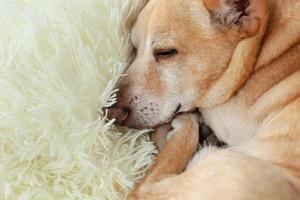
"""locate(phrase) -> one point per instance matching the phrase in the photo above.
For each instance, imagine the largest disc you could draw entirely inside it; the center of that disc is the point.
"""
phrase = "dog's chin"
(135, 123)
(152, 125)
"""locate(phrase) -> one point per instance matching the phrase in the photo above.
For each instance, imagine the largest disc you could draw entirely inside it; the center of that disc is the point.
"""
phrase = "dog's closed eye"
(164, 53)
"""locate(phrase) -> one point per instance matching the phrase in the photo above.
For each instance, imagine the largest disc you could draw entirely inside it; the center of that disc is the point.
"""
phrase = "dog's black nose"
(119, 113)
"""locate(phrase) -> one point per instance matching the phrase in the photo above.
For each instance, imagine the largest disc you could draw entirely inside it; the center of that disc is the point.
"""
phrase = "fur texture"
(59, 62)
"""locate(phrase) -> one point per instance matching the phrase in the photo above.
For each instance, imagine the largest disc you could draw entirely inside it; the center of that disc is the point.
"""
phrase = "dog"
(237, 62)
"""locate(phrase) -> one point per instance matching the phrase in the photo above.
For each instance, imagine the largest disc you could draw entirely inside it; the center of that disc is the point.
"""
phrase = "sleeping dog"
(237, 62)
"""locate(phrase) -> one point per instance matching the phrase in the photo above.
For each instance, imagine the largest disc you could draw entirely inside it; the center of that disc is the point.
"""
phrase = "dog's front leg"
(159, 136)
(182, 142)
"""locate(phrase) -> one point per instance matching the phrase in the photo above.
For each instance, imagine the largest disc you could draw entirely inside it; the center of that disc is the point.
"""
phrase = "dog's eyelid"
(164, 53)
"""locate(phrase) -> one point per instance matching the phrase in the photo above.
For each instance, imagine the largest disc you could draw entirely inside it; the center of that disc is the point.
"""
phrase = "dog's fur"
(238, 62)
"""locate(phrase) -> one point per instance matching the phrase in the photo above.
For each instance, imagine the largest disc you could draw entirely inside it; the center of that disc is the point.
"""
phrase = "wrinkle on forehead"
(166, 19)
(199, 14)
(170, 18)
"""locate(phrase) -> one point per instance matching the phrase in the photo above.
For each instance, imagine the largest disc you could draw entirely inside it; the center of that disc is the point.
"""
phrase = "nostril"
(119, 113)
(126, 111)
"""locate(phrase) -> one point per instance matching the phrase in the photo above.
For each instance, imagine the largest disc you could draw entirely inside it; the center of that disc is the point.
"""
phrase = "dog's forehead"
(169, 18)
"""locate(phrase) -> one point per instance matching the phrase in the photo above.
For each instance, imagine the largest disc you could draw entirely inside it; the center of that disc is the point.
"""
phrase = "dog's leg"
(182, 142)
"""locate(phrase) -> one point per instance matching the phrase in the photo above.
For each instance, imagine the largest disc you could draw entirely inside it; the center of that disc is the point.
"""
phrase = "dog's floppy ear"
(243, 14)
(250, 18)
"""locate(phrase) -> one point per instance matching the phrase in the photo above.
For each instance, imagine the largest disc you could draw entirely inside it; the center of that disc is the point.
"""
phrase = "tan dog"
(238, 62)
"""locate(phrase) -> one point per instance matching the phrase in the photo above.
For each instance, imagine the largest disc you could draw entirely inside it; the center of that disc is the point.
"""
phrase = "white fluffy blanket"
(59, 62)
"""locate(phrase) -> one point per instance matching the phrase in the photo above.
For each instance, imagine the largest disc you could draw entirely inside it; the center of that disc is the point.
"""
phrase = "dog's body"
(248, 92)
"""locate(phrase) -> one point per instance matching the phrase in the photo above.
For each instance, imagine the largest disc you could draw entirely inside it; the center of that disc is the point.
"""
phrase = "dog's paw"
(159, 136)
(185, 122)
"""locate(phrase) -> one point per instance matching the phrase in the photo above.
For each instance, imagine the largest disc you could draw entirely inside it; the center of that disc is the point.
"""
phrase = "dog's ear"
(242, 14)
(250, 19)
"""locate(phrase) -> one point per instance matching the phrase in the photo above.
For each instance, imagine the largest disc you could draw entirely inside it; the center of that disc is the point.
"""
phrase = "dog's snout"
(119, 113)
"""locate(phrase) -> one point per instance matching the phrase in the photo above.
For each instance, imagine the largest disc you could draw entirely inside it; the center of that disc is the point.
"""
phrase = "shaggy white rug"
(59, 62)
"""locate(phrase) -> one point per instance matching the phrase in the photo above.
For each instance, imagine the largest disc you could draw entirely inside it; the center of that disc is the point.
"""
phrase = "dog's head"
(189, 54)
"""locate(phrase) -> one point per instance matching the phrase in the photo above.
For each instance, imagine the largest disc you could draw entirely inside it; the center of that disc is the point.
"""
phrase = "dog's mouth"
(180, 109)
(177, 110)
